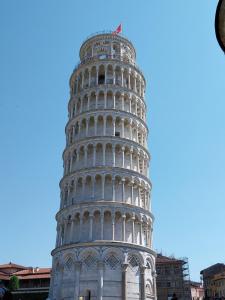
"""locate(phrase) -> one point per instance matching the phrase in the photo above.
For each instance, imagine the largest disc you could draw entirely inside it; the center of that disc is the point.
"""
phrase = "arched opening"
(109, 74)
(101, 75)
(93, 76)
(86, 78)
(109, 99)
(92, 101)
(101, 100)
(118, 76)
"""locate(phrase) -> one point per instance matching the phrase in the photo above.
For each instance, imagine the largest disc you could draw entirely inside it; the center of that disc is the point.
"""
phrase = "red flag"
(118, 29)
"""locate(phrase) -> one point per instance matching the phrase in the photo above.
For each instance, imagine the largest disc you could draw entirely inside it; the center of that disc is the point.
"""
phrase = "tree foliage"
(14, 283)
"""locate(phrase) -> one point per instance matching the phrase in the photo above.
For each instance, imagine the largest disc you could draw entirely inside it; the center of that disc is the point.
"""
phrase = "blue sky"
(185, 72)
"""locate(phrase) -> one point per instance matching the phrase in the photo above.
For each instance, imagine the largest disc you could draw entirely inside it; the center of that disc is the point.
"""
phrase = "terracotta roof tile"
(11, 265)
(35, 276)
(32, 271)
(165, 259)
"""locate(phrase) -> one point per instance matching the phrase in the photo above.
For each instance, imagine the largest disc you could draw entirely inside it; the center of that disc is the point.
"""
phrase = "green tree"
(14, 283)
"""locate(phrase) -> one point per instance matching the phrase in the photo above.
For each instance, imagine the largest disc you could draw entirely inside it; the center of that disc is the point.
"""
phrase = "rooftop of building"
(22, 272)
(162, 259)
(214, 269)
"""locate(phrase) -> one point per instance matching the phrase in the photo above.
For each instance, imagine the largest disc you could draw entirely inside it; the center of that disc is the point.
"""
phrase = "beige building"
(214, 281)
(197, 290)
(172, 278)
(219, 285)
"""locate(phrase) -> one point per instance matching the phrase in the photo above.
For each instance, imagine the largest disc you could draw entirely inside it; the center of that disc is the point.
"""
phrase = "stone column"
(89, 78)
(124, 281)
(83, 188)
(131, 158)
(122, 96)
(77, 266)
(82, 81)
(60, 236)
(100, 281)
(85, 156)
(71, 163)
(57, 237)
(133, 233)
(93, 187)
(94, 155)
(91, 227)
(113, 226)
(114, 77)
(129, 80)
(141, 233)
(122, 122)
(88, 103)
(104, 125)
(140, 87)
(138, 164)
(135, 84)
(139, 196)
(77, 86)
(81, 225)
(103, 154)
(123, 191)
(95, 120)
(142, 281)
(114, 100)
(96, 101)
(114, 155)
(113, 189)
(97, 76)
(131, 131)
(103, 187)
(59, 290)
(114, 127)
(87, 127)
(64, 233)
(105, 100)
(71, 231)
(132, 192)
(123, 149)
(102, 225)
(151, 236)
(73, 132)
(77, 159)
(124, 227)
(154, 275)
(122, 70)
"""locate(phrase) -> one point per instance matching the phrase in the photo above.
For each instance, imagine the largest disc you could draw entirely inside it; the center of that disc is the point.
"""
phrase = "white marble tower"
(104, 224)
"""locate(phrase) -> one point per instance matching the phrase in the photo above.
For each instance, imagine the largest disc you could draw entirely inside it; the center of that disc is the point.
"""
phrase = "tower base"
(103, 271)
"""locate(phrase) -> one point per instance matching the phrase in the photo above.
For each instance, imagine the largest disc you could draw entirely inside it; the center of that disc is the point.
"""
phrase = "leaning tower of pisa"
(104, 224)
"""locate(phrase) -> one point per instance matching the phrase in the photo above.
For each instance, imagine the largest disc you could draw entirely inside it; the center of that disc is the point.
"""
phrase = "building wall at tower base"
(103, 272)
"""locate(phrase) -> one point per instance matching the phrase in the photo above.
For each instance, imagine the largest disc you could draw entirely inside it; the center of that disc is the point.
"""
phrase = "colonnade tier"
(129, 146)
(93, 185)
(70, 211)
(103, 72)
(106, 124)
(122, 226)
(107, 98)
(107, 154)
